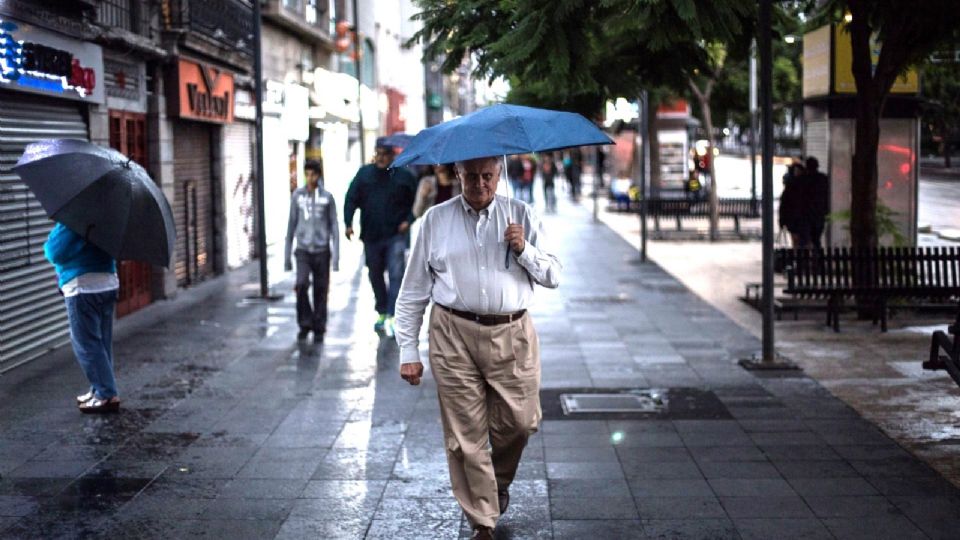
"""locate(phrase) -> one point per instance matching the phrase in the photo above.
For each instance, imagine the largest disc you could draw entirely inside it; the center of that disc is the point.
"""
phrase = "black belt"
(486, 320)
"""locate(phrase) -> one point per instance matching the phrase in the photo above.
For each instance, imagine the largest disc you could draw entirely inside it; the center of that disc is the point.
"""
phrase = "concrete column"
(160, 151)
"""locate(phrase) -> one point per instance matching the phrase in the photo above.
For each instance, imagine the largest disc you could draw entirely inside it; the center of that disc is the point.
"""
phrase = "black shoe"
(482, 533)
(302, 334)
(503, 495)
(317, 338)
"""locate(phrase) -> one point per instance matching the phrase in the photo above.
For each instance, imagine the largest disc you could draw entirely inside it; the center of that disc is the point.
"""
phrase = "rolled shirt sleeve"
(544, 268)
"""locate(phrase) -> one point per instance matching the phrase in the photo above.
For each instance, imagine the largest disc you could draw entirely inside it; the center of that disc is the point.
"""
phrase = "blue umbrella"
(399, 140)
(500, 130)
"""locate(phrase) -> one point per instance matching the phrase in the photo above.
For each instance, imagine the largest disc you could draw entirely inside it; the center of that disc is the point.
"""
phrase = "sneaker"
(302, 334)
(381, 321)
(388, 326)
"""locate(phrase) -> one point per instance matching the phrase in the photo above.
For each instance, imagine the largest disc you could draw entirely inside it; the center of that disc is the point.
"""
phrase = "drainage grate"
(631, 404)
(649, 401)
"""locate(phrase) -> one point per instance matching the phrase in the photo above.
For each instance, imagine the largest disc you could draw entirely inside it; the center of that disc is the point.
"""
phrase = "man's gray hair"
(462, 162)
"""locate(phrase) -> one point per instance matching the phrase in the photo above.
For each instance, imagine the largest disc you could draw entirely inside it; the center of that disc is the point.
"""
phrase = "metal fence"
(228, 22)
(129, 15)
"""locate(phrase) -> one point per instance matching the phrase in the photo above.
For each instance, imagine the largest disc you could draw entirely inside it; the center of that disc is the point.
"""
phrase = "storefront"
(46, 84)
(125, 82)
(239, 192)
(202, 97)
(285, 130)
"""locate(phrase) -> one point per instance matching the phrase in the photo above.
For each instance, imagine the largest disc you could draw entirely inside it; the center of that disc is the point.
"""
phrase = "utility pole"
(258, 100)
(357, 62)
(644, 128)
(769, 359)
(753, 122)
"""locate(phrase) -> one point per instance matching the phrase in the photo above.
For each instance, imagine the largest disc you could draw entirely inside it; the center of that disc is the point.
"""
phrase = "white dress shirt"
(460, 260)
(91, 282)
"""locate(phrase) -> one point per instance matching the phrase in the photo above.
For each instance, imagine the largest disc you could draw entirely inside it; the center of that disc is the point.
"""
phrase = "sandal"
(85, 397)
(100, 406)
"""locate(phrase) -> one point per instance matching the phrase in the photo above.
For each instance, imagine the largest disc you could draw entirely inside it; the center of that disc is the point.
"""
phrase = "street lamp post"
(769, 358)
(644, 127)
(356, 63)
(258, 105)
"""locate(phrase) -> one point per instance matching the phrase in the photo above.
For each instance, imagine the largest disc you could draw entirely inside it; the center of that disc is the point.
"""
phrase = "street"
(232, 430)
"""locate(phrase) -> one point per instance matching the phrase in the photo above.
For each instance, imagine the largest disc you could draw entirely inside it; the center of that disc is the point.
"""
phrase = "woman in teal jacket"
(87, 277)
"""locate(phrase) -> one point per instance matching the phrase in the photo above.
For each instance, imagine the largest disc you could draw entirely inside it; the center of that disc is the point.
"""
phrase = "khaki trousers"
(488, 384)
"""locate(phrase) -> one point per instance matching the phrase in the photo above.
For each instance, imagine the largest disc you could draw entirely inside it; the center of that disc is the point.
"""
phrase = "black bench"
(941, 342)
(681, 209)
(873, 276)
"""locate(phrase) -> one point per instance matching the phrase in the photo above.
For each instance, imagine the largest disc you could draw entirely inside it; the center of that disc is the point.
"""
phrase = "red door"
(128, 135)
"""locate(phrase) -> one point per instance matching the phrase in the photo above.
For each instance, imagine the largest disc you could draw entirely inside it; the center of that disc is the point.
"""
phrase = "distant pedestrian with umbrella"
(106, 208)
(477, 259)
(385, 199)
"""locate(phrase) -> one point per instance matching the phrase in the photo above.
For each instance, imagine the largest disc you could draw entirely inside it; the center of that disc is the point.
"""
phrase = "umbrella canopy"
(399, 140)
(500, 130)
(101, 195)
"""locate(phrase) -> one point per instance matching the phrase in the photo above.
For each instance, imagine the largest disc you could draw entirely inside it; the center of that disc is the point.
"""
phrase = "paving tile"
(580, 487)
(150, 506)
(17, 505)
(593, 508)
(767, 506)
(680, 508)
(751, 487)
(670, 488)
(662, 470)
(793, 528)
(683, 529)
(816, 469)
(832, 486)
(341, 529)
(850, 507)
(891, 527)
(262, 488)
(580, 529)
(414, 530)
(244, 509)
(727, 453)
(579, 455)
(584, 470)
(738, 469)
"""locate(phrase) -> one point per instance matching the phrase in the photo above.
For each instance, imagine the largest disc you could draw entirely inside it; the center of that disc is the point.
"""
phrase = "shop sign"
(296, 112)
(41, 62)
(244, 106)
(204, 92)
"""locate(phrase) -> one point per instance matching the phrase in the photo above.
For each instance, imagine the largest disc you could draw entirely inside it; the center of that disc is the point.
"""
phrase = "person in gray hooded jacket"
(313, 222)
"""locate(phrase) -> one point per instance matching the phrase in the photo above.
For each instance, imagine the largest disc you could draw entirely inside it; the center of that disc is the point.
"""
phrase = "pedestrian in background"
(526, 179)
(572, 168)
(484, 350)
(791, 205)
(313, 222)
(384, 198)
(514, 175)
(87, 278)
(436, 188)
(816, 190)
(548, 171)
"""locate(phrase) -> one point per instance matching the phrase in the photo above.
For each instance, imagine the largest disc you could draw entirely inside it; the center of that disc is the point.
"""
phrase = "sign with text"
(843, 82)
(204, 92)
(41, 62)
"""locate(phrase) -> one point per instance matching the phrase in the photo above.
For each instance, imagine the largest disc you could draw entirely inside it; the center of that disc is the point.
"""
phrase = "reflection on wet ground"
(233, 429)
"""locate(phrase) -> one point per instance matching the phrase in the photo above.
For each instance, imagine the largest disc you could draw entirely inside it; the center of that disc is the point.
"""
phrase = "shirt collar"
(470, 211)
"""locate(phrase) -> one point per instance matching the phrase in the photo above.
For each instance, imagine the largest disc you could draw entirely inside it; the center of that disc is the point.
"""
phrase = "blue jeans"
(386, 255)
(91, 331)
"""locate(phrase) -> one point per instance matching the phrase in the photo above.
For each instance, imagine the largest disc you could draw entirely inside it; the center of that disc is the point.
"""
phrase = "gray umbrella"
(102, 195)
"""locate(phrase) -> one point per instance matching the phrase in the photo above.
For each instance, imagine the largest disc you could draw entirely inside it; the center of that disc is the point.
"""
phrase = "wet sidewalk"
(232, 430)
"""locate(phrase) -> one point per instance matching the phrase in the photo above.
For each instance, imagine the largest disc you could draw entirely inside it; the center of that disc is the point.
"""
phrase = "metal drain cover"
(634, 402)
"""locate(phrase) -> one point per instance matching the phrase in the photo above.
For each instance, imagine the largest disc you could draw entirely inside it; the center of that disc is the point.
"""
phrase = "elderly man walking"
(478, 257)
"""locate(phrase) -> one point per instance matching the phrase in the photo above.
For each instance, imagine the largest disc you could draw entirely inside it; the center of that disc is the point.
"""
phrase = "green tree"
(578, 53)
(906, 33)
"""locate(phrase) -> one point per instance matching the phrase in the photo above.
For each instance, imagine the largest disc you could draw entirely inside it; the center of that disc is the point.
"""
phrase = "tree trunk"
(654, 148)
(713, 197)
(863, 207)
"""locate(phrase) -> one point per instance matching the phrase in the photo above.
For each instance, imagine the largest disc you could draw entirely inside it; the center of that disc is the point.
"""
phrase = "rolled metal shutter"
(238, 177)
(32, 316)
(192, 202)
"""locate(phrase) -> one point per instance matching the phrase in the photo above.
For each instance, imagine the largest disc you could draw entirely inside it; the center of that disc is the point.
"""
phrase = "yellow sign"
(816, 62)
(843, 81)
